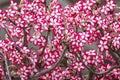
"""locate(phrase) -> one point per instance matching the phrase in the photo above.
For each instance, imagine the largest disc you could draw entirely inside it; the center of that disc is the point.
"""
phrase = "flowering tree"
(48, 42)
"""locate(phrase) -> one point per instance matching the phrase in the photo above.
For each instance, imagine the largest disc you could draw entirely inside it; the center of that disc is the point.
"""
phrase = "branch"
(114, 56)
(96, 73)
(25, 37)
(45, 43)
(101, 29)
(53, 67)
(117, 52)
(107, 71)
(6, 65)
(9, 36)
(103, 72)
(11, 21)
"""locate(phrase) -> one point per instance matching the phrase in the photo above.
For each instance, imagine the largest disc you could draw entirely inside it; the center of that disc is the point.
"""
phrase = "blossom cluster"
(48, 42)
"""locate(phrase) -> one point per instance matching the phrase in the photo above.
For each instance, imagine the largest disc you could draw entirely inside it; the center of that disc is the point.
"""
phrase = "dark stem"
(12, 21)
(53, 67)
(76, 29)
(114, 56)
(117, 52)
(91, 75)
(10, 37)
(101, 31)
(25, 37)
(98, 73)
(81, 75)
(42, 52)
(6, 66)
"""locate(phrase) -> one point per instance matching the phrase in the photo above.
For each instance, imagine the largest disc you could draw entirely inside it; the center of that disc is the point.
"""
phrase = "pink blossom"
(103, 45)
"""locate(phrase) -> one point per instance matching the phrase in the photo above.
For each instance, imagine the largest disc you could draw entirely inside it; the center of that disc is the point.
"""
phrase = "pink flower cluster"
(48, 42)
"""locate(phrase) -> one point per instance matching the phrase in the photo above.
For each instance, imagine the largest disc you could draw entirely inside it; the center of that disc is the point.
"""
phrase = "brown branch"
(6, 65)
(114, 56)
(101, 73)
(117, 52)
(91, 75)
(107, 71)
(25, 37)
(12, 21)
(96, 73)
(101, 29)
(42, 52)
(53, 67)
(9, 36)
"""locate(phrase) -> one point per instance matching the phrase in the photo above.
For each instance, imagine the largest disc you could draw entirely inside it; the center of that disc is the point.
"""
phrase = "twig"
(45, 43)
(53, 67)
(6, 65)
(9, 36)
(117, 52)
(91, 75)
(114, 56)
(11, 21)
(25, 37)
(101, 31)
(107, 71)
(96, 73)
(100, 73)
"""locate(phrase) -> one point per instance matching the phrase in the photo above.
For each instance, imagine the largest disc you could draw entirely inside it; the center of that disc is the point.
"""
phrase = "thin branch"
(53, 67)
(114, 56)
(6, 65)
(96, 73)
(103, 72)
(101, 29)
(91, 75)
(117, 52)
(107, 71)
(25, 37)
(11, 21)
(45, 43)
(9, 36)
